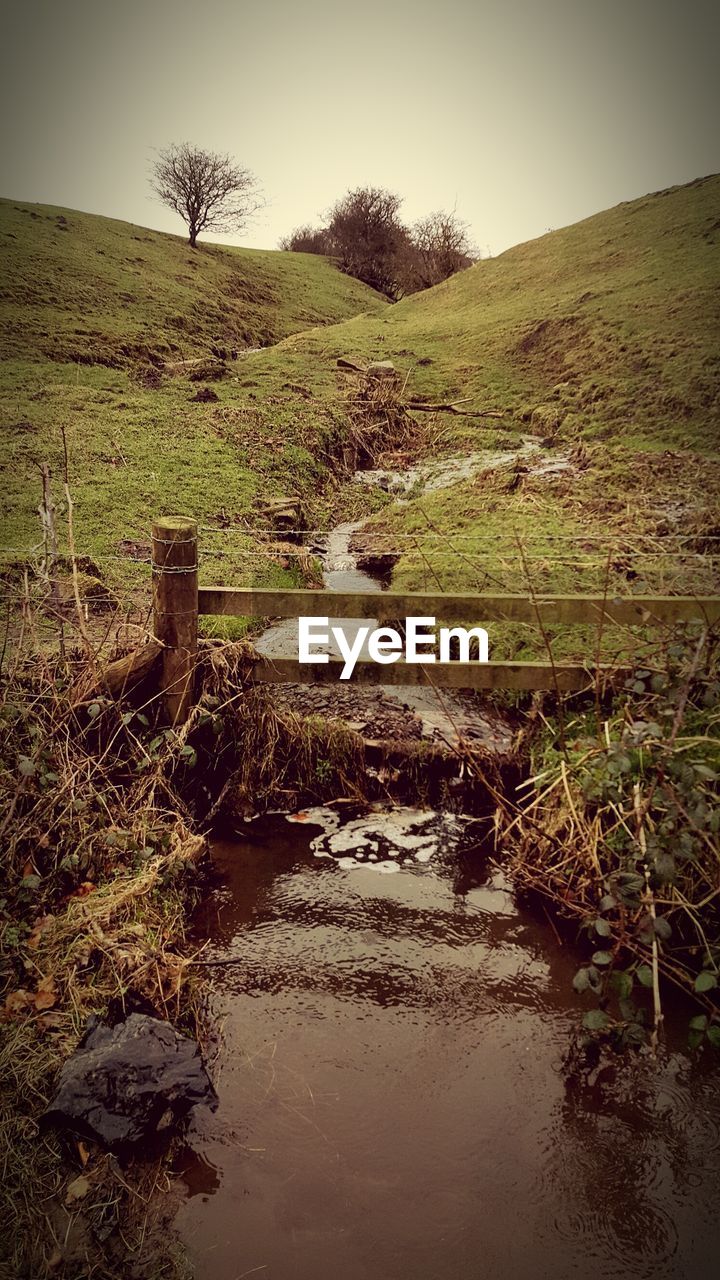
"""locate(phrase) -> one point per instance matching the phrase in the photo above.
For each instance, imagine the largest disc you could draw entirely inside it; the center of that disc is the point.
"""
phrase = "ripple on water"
(391, 1095)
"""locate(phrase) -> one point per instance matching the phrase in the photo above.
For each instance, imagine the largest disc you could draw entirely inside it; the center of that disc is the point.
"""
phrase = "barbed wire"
(11, 554)
(582, 535)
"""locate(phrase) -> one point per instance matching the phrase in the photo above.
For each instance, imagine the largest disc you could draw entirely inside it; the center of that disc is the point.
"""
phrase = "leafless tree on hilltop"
(209, 191)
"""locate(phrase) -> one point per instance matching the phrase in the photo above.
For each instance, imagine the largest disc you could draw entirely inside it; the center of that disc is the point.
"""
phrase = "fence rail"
(267, 602)
(178, 603)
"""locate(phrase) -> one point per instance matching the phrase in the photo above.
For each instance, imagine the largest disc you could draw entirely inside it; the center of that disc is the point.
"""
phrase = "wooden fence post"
(175, 610)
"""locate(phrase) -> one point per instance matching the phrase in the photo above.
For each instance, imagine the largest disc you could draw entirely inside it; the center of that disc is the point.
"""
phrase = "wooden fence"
(178, 603)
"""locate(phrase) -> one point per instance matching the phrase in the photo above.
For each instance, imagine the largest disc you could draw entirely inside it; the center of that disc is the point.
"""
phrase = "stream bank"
(448, 717)
(396, 1089)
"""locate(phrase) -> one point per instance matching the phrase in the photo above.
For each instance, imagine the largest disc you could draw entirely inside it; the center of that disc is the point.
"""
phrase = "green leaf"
(713, 1035)
(631, 880)
(665, 867)
(607, 902)
(602, 958)
(94, 710)
(705, 981)
(581, 981)
(603, 928)
(634, 1034)
(595, 1020)
(644, 975)
(663, 928)
(26, 767)
(127, 717)
(694, 1039)
(699, 1022)
(143, 719)
(622, 983)
(30, 882)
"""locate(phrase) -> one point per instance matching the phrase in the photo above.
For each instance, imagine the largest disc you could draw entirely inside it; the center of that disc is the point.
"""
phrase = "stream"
(445, 714)
(396, 1097)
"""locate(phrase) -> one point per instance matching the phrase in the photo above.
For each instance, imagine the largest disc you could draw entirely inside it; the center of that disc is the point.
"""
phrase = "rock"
(127, 1083)
(345, 362)
(284, 514)
(381, 369)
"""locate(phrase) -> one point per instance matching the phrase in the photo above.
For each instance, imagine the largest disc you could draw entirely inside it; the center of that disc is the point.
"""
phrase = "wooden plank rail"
(178, 603)
(388, 606)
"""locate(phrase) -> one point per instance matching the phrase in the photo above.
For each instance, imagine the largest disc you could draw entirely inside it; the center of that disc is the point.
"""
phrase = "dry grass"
(381, 426)
(619, 829)
(102, 809)
(99, 866)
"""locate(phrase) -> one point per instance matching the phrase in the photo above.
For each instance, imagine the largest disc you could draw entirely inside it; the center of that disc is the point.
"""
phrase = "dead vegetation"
(103, 810)
(380, 422)
(382, 429)
(618, 828)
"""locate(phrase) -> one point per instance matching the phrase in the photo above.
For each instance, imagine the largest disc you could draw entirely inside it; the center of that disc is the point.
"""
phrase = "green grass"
(603, 333)
(80, 288)
(97, 316)
(566, 534)
(609, 326)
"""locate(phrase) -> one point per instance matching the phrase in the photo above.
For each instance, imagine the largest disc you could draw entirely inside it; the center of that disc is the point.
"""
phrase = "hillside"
(601, 338)
(610, 326)
(97, 320)
(81, 288)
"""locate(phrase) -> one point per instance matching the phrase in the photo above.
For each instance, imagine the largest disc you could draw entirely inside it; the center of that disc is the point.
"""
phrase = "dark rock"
(126, 1084)
(205, 395)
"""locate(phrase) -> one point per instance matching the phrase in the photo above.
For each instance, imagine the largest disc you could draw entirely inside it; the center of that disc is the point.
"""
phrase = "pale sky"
(522, 114)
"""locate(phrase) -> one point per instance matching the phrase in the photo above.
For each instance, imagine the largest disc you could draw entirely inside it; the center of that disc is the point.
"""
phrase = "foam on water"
(382, 838)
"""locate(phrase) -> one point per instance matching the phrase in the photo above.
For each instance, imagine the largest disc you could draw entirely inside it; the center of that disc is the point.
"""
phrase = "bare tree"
(366, 235)
(369, 241)
(209, 191)
(441, 248)
(307, 239)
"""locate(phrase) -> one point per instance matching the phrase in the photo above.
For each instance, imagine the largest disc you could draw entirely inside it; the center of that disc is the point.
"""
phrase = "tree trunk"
(193, 238)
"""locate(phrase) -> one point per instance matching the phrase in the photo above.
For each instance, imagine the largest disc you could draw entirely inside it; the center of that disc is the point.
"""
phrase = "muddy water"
(393, 1100)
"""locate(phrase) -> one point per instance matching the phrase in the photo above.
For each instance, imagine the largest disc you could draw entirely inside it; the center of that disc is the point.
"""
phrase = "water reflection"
(392, 1092)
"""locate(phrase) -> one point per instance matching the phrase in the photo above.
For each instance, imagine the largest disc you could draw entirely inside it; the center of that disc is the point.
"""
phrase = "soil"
(371, 712)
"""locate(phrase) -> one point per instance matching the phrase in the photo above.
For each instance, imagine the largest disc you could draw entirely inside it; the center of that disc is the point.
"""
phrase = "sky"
(521, 115)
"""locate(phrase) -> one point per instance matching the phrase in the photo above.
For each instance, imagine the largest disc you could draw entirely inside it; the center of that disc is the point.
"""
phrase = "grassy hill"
(97, 318)
(610, 326)
(602, 336)
(80, 288)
